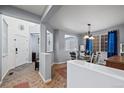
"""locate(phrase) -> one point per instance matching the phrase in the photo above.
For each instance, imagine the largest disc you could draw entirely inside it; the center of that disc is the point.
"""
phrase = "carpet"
(22, 85)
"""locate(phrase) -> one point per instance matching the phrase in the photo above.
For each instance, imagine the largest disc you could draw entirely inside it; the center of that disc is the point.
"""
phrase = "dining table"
(115, 62)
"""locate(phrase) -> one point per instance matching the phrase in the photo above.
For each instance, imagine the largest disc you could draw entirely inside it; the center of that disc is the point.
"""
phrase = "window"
(104, 41)
(96, 43)
(49, 41)
(5, 38)
(122, 48)
(71, 43)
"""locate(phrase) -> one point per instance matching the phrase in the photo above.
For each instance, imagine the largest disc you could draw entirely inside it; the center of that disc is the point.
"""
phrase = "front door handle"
(16, 50)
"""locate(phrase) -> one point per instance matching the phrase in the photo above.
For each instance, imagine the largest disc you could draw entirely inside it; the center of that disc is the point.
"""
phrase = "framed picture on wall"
(49, 41)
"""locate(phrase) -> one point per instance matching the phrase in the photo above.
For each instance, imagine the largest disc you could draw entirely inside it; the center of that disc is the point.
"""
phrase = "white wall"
(45, 58)
(35, 29)
(34, 35)
(19, 13)
(44, 28)
(0, 47)
(4, 55)
(60, 54)
(13, 31)
(35, 44)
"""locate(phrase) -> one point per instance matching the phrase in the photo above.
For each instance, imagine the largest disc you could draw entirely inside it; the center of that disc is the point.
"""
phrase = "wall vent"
(21, 27)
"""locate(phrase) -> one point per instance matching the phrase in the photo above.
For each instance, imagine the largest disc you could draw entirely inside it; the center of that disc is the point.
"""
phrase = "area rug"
(22, 85)
(62, 71)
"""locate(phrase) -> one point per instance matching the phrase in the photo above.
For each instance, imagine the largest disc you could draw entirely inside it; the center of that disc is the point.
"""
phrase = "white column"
(0, 47)
(45, 58)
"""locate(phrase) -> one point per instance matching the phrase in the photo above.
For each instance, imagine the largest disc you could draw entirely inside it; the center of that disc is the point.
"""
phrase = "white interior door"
(4, 48)
(21, 50)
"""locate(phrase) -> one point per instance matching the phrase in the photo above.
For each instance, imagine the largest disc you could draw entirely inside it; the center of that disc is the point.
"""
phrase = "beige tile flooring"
(26, 73)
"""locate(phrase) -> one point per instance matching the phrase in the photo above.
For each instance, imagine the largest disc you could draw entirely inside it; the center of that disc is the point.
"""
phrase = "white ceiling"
(75, 18)
(35, 9)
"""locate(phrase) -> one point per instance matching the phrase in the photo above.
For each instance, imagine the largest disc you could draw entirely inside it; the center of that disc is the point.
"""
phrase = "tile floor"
(26, 73)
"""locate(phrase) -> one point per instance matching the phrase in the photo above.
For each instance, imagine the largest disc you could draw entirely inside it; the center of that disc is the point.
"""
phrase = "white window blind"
(71, 43)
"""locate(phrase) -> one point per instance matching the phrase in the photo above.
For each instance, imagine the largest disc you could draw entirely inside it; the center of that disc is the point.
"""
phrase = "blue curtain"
(89, 46)
(112, 49)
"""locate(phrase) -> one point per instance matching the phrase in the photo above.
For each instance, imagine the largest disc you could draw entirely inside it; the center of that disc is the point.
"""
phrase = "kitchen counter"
(83, 74)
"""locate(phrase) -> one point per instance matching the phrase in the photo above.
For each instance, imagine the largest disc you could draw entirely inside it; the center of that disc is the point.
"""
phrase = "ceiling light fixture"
(89, 35)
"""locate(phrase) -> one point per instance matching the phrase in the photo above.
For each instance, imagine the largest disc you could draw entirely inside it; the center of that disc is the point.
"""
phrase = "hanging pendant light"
(89, 35)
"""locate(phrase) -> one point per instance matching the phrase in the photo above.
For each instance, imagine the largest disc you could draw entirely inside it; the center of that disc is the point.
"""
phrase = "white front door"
(21, 50)
(5, 62)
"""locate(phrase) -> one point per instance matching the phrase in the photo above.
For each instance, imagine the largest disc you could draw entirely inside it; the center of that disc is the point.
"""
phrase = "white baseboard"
(45, 81)
(8, 71)
(0, 82)
(4, 75)
(29, 62)
(59, 62)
